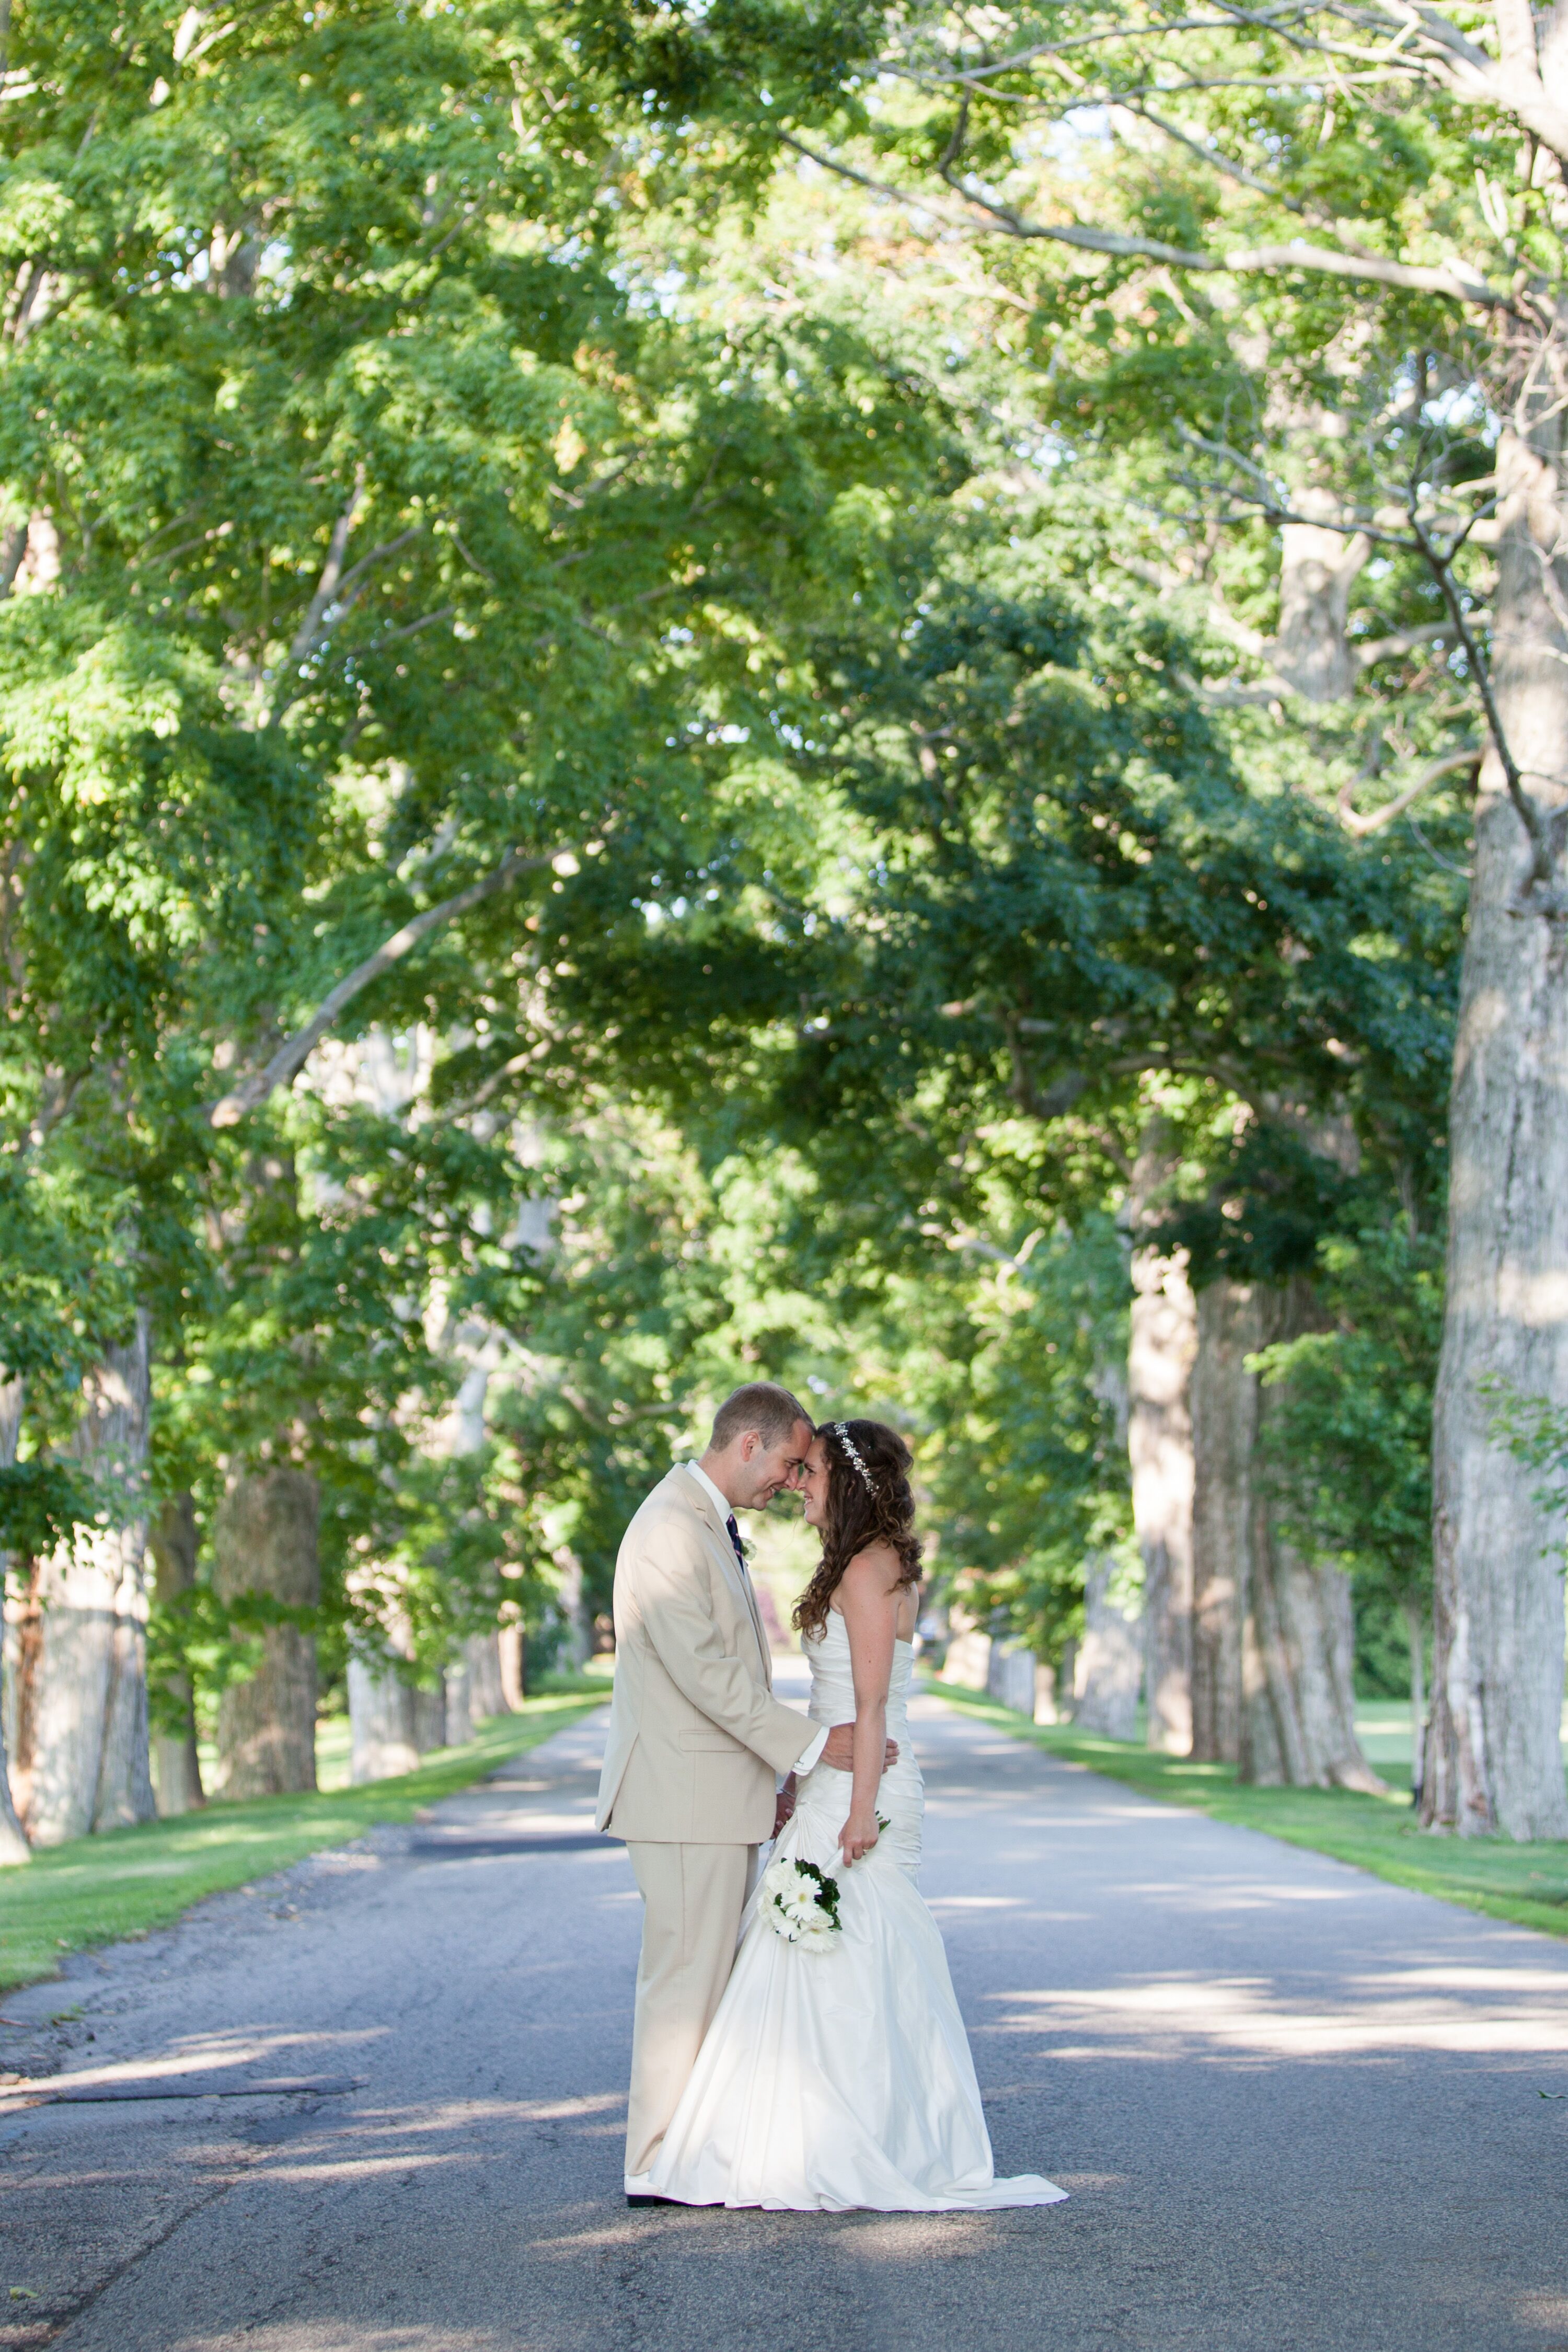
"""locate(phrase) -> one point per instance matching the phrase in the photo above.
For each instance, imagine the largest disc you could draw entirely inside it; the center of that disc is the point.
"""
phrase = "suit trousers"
(692, 1899)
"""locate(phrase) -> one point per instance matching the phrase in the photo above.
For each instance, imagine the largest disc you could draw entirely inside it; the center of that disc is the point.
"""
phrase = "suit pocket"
(709, 1742)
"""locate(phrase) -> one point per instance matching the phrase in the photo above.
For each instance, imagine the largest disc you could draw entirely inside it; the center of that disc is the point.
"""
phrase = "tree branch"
(1455, 282)
(1543, 860)
(337, 593)
(1402, 641)
(496, 1080)
(978, 1246)
(291, 1058)
(1543, 879)
(1470, 757)
(392, 636)
(1217, 161)
(332, 573)
(13, 548)
(377, 555)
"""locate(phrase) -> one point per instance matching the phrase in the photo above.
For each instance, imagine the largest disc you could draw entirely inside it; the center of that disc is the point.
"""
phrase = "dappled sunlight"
(1259, 1894)
(1463, 1980)
(885, 2237)
(976, 1902)
(1544, 2309)
(368, 2122)
(1523, 2014)
(215, 2055)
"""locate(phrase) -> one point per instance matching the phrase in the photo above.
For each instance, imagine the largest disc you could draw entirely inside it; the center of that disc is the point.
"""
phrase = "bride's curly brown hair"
(868, 1501)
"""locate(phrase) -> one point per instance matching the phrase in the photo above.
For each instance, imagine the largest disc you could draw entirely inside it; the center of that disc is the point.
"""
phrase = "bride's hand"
(857, 1836)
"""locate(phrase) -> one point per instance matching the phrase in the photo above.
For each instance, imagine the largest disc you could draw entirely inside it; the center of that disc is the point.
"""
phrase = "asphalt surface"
(1296, 2108)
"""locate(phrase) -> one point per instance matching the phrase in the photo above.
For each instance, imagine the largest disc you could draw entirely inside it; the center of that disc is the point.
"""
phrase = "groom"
(696, 1741)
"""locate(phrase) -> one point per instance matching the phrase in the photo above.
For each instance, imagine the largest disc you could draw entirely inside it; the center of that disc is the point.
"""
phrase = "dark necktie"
(734, 1535)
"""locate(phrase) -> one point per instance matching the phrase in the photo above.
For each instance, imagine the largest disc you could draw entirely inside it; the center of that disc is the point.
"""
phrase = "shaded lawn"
(1525, 1883)
(334, 1734)
(124, 1882)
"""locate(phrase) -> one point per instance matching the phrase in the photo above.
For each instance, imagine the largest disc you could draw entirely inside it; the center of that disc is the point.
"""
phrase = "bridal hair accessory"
(800, 1903)
(841, 1430)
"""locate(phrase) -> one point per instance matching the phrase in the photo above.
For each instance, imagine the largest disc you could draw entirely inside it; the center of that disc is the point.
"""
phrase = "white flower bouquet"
(800, 1903)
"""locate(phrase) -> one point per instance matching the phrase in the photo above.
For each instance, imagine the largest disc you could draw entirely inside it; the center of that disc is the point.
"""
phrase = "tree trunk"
(513, 1648)
(1160, 1450)
(430, 1715)
(487, 1694)
(176, 1766)
(381, 1722)
(1107, 1672)
(1225, 1431)
(577, 1642)
(14, 1846)
(82, 1754)
(460, 1704)
(1318, 569)
(1415, 1628)
(264, 1541)
(1274, 1637)
(1298, 1654)
(1494, 1760)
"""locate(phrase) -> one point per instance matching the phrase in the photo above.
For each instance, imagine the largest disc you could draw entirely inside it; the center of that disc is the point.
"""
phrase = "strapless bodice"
(833, 1681)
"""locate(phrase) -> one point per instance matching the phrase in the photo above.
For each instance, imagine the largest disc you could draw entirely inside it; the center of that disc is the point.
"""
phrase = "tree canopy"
(666, 675)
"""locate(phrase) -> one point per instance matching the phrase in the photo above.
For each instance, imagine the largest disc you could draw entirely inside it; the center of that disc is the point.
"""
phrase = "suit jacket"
(697, 1737)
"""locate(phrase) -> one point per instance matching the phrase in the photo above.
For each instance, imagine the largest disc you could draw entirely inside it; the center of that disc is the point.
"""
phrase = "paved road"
(1296, 2108)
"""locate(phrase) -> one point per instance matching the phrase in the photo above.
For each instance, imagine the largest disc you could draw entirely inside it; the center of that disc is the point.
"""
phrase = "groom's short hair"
(761, 1405)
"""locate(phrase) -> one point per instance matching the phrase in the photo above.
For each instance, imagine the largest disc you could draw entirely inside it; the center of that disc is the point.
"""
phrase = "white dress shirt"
(726, 1510)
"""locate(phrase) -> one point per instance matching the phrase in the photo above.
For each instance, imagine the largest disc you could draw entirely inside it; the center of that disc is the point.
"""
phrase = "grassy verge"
(334, 1735)
(125, 1882)
(1525, 1883)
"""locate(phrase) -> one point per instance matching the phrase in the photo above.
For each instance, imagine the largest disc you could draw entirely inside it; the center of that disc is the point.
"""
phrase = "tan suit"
(696, 1742)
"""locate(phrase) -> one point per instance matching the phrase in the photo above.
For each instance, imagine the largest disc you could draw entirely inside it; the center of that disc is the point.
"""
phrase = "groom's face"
(769, 1470)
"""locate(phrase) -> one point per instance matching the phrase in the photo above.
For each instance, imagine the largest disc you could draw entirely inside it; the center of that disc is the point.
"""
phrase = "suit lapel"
(739, 1580)
(745, 1575)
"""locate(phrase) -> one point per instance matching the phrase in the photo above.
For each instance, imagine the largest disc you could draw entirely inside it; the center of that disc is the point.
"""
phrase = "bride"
(836, 2079)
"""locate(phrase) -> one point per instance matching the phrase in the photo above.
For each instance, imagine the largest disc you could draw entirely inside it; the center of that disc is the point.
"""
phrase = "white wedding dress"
(842, 2079)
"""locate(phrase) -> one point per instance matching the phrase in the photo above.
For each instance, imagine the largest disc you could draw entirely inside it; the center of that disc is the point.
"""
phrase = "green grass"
(123, 1883)
(1525, 1883)
(334, 1739)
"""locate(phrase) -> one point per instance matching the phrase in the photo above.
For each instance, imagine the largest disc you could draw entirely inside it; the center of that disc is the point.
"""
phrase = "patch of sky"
(1462, 408)
(1083, 127)
(655, 297)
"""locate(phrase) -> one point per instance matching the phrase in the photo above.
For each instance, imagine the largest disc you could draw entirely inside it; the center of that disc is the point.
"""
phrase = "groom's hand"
(839, 1750)
(783, 1806)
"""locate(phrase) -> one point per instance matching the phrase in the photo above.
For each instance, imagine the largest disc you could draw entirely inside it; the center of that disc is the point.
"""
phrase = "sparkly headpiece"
(841, 1430)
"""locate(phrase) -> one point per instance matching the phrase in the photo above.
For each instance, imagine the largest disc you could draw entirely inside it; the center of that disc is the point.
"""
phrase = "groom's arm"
(672, 1601)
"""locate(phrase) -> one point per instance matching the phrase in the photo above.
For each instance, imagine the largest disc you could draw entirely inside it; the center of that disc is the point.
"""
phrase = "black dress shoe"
(639, 2198)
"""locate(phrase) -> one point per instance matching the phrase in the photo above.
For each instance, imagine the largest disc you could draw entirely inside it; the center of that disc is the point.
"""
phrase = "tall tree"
(1333, 235)
(1077, 880)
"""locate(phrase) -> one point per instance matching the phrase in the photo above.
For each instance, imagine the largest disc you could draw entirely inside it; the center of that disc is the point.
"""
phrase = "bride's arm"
(870, 1619)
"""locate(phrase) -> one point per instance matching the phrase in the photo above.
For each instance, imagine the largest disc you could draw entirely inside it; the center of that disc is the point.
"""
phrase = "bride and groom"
(823, 2065)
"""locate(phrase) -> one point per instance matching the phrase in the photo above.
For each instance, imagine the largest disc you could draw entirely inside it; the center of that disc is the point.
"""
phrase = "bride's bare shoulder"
(873, 1573)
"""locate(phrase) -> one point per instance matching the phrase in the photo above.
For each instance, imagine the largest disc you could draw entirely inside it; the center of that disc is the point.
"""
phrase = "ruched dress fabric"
(838, 2081)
